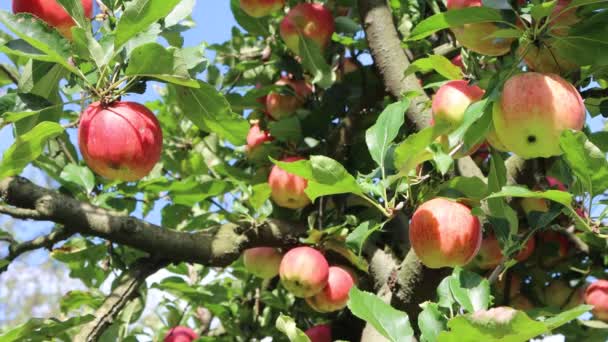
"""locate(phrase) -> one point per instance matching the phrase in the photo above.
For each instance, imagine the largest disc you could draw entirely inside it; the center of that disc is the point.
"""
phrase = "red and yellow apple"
(490, 254)
(287, 190)
(320, 333)
(261, 8)
(457, 61)
(493, 140)
(121, 140)
(444, 233)
(561, 296)
(180, 334)
(255, 139)
(452, 100)
(262, 262)
(280, 106)
(533, 110)
(335, 294)
(52, 13)
(310, 20)
(597, 295)
(304, 271)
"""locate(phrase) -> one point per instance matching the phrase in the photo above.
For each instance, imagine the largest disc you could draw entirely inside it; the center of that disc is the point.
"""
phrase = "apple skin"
(335, 294)
(262, 262)
(534, 110)
(452, 100)
(490, 254)
(320, 333)
(180, 334)
(255, 139)
(561, 296)
(521, 302)
(457, 61)
(279, 106)
(261, 8)
(555, 183)
(120, 141)
(52, 13)
(287, 190)
(534, 204)
(597, 295)
(514, 287)
(313, 21)
(493, 140)
(554, 240)
(444, 233)
(304, 271)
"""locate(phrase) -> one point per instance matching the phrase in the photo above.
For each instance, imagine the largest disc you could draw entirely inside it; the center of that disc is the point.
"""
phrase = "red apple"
(261, 8)
(262, 262)
(521, 302)
(180, 334)
(255, 138)
(304, 271)
(335, 294)
(476, 37)
(490, 254)
(444, 233)
(287, 190)
(319, 333)
(555, 183)
(281, 106)
(52, 13)
(534, 110)
(457, 61)
(121, 140)
(561, 296)
(452, 100)
(312, 21)
(597, 295)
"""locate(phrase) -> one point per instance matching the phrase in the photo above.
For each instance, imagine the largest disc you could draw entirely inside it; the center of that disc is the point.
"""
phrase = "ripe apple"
(561, 296)
(555, 183)
(490, 254)
(452, 100)
(255, 139)
(261, 8)
(121, 140)
(335, 294)
(444, 233)
(52, 13)
(180, 334)
(476, 37)
(280, 105)
(493, 140)
(534, 110)
(262, 262)
(457, 61)
(312, 21)
(304, 271)
(597, 295)
(319, 333)
(287, 190)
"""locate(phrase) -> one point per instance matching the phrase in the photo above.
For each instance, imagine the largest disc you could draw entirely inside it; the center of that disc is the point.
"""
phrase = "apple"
(530, 205)
(534, 110)
(476, 37)
(262, 262)
(444, 233)
(493, 140)
(597, 295)
(514, 287)
(312, 21)
(319, 333)
(490, 254)
(554, 241)
(121, 140)
(261, 8)
(51, 12)
(457, 61)
(180, 334)
(452, 100)
(555, 183)
(304, 271)
(560, 295)
(280, 106)
(287, 190)
(255, 139)
(521, 302)
(335, 294)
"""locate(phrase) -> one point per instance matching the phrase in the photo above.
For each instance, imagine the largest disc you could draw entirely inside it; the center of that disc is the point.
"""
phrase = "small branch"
(127, 290)
(24, 214)
(46, 241)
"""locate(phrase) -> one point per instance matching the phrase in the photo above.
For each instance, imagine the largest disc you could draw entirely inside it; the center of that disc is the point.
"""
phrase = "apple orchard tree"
(451, 190)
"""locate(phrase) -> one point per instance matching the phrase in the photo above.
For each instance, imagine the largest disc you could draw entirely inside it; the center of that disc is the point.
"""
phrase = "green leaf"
(380, 136)
(74, 8)
(437, 63)
(153, 60)
(472, 188)
(287, 326)
(388, 321)
(87, 46)
(586, 42)
(444, 294)
(413, 150)
(586, 160)
(80, 175)
(256, 26)
(542, 10)
(561, 197)
(191, 191)
(340, 248)
(76, 300)
(287, 129)
(314, 62)
(431, 322)
(139, 15)
(470, 290)
(210, 111)
(27, 148)
(260, 194)
(356, 239)
(37, 329)
(454, 18)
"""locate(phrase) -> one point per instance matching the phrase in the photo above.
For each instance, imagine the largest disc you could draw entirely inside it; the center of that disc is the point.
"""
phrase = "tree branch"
(217, 246)
(127, 290)
(46, 241)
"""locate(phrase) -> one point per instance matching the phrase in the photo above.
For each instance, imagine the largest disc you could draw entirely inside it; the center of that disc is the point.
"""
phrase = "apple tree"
(347, 170)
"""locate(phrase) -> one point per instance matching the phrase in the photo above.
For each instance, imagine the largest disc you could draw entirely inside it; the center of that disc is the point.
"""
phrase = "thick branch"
(120, 296)
(390, 58)
(216, 246)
